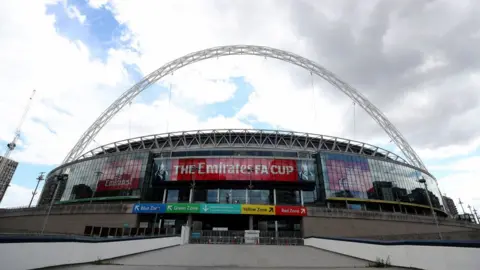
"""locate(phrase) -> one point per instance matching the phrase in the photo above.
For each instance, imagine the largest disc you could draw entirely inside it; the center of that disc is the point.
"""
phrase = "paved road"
(200, 257)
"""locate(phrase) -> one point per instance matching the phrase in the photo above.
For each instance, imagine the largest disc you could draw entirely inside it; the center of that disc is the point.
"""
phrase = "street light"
(58, 178)
(39, 178)
(192, 185)
(424, 182)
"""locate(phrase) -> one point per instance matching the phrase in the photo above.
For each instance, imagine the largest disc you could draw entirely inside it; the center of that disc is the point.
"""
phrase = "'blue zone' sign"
(148, 208)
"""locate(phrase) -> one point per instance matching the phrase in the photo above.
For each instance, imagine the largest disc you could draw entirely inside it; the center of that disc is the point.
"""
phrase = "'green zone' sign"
(183, 208)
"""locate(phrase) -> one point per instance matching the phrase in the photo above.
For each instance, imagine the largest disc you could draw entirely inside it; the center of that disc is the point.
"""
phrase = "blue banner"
(148, 208)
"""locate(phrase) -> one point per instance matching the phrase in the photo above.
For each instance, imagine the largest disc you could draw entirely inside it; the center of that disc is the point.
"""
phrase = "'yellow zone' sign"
(254, 209)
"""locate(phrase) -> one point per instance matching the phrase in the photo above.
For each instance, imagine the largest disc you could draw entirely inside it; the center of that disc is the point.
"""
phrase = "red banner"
(120, 175)
(218, 169)
(290, 211)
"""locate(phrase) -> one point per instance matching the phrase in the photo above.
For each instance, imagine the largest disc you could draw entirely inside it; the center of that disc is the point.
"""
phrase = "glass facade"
(112, 176)
(243, 179)
(348, 176)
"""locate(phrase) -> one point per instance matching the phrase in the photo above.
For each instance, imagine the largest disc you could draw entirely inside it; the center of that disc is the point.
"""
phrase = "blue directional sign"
(220, 209)
(148, 208)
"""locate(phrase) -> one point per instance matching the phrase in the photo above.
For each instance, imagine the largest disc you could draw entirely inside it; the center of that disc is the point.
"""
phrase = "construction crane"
(11, 146)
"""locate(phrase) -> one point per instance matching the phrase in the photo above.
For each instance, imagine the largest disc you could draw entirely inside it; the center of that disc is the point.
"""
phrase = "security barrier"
(287, 238)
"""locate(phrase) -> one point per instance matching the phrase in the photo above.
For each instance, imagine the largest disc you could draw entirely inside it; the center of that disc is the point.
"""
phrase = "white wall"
(423, 257)
(22, 256)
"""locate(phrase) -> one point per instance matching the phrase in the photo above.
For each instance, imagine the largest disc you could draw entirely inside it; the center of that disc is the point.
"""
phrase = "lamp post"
(39, 178)
(424, 182)
(59, 179)
(193, 170)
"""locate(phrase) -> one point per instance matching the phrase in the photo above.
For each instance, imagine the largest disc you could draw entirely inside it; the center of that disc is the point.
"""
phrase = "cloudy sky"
(415, 60)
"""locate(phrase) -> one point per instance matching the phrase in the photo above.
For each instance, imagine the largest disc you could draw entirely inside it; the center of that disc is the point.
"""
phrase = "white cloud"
(449, 151)
(461, 181)
(72, 87)
(97, 3)
(17, 196)
(74, 13)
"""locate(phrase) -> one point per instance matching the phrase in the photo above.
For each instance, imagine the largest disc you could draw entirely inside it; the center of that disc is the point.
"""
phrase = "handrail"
(313, 211)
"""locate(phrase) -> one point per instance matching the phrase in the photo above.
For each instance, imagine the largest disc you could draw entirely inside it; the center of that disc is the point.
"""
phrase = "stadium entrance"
(222, 222)
(246, 229)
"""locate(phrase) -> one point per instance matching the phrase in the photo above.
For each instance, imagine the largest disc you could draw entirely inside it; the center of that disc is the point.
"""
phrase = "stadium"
(270, 181)
(214, 176)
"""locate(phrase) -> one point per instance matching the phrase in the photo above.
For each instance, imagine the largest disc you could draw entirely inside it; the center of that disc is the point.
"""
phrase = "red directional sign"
(290, 211)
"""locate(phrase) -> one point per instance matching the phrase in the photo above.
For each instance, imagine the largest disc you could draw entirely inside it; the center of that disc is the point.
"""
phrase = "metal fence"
(287, 238)
(69, 209)
(362, 214)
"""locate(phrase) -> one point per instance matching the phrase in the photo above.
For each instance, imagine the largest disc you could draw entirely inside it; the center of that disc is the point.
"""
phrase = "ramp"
(198, 256)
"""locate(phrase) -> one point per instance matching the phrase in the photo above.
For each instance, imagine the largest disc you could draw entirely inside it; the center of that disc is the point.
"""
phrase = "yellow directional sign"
(256, 209)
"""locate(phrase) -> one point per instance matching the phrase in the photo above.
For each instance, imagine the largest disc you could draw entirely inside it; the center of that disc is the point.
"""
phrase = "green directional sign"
(220, 208)
(182, 208)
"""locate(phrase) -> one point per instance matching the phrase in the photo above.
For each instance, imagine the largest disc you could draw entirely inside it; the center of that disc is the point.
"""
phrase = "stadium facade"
(241, 179)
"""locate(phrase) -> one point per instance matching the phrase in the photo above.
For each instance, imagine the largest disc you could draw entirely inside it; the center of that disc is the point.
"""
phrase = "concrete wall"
(355, 227)
(417, 256)
(67, 224)
(21, 256)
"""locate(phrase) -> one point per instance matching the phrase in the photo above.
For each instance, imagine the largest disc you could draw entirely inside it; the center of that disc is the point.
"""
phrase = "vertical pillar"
(301, 197)
(275, 203)
(164, 195)
(218, 195)
(247, 200)
(189, 220)
(250, 222)
(190, 198)
(276, 229)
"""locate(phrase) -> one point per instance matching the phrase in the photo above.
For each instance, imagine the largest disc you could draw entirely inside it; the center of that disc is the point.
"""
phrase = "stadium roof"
(243, 139)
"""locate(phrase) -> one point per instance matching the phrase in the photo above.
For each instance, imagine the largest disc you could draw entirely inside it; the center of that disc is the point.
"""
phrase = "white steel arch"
(216, 52)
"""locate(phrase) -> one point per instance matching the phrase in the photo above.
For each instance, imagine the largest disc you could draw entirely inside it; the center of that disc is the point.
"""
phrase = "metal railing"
(69, 209)
(238, 238)
(347, 213)
(124, 207)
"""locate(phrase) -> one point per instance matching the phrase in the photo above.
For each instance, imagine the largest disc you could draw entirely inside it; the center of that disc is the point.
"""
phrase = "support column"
(218, 195)
(164, 195)
(301, 197)
(275, 203)
(250, 222)
(276, 229)
(247, 199)
(189, 220)
(190, 198)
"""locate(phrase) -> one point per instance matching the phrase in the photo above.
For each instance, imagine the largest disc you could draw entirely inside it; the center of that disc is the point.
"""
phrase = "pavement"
(217, 257)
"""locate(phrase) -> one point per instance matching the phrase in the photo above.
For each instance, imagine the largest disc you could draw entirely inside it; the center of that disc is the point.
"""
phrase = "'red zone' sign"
(290, 211)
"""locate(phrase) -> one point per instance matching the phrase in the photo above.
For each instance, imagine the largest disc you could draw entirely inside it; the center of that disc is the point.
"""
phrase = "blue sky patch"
(100, 31)
(232, 106)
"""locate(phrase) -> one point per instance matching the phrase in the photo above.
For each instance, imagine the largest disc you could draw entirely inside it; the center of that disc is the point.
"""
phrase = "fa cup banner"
(218, 169)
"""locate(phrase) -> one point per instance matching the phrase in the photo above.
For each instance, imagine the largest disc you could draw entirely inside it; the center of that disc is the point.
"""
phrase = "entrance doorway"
(220, 222)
